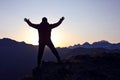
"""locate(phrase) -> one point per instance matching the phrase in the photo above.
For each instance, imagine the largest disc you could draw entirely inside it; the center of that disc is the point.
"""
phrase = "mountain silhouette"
(16, 58)
(19, 58)
(99, 44)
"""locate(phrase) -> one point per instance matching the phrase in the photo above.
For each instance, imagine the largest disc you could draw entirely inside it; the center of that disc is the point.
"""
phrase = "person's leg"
(40, 54)
(51, 46)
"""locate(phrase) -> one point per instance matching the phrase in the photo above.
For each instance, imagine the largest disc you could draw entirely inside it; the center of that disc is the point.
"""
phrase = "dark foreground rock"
(81, 67)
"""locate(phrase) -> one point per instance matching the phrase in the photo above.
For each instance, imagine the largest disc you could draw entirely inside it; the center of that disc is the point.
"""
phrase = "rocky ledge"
(80, 67)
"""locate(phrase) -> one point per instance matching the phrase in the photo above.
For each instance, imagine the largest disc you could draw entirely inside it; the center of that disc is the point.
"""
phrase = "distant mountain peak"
(75, 46)
(9, 42)
(6, 39)
(102, 41)
(86, 43)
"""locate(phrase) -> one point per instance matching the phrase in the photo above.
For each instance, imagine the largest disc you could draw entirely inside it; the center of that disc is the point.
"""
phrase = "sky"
(85, 20)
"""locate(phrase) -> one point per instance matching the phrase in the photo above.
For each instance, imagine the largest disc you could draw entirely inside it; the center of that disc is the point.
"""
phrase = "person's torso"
(44, 32)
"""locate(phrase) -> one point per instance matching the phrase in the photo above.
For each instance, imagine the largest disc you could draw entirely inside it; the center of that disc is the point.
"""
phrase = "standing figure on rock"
(44, 30)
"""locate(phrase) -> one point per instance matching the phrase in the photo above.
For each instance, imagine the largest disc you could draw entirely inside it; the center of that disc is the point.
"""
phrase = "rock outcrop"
(81, 67)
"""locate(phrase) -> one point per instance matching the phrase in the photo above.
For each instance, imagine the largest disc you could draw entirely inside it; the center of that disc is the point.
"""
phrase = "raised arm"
(31, 24)
(58, 23)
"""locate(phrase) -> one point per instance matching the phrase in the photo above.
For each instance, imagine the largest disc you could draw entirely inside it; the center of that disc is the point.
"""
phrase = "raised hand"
(25, 19)
(62, 18)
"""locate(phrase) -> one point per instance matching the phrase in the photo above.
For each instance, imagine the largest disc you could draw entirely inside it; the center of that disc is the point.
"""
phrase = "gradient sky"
(85, 20)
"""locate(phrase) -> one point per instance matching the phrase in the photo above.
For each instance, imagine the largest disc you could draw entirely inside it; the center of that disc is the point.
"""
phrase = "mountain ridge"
(99, 44)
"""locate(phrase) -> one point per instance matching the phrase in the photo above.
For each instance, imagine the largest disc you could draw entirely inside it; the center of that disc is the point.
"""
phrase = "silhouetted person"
(44, 30)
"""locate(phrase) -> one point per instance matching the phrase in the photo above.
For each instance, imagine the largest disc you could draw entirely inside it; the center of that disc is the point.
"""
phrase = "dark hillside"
(105, 66)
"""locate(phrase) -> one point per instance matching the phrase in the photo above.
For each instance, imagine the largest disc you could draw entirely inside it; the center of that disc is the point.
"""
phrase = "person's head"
(44, 19)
